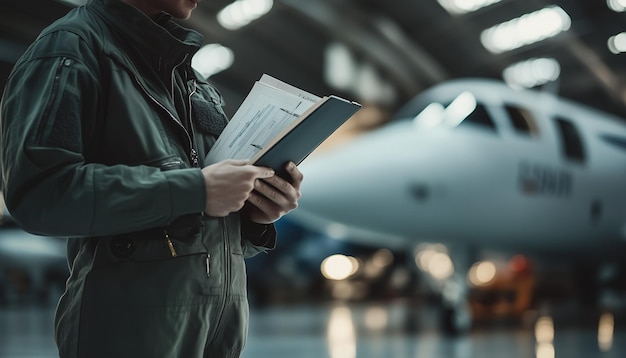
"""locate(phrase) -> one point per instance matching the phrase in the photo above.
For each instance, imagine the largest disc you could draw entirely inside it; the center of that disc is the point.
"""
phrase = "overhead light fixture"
(616, 5)
(458, 7)
(342, 71)
(211, 59)
(370, 86)
(242, 12)
(525, 30)
(531, 73)
(340, 66)
(74, 2)
(617, 43)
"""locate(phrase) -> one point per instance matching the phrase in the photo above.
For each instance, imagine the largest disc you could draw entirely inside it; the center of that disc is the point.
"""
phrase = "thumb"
(259, 172)
(265, 172)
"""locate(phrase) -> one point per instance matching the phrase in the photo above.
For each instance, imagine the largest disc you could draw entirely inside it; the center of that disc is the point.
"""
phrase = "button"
(122, 247)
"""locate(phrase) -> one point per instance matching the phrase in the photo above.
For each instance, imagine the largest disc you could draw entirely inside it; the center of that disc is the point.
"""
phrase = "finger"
(235, 162)
(287, 200)
(276, 184)
(296, 174)
(291, 189)
(270, 192)
(266, 206)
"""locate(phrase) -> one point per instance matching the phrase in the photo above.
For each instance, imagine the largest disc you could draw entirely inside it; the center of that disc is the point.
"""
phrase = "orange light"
(519, 264)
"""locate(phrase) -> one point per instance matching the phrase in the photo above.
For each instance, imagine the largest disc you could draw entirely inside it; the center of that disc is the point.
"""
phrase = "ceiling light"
(340, 66)
(242, 12)
(74, 2)
(525, 30)
(457, 7)
(370, 86)
(617, 43)
(531, 73)
(211, 59)
(617, 5)
(343, 72)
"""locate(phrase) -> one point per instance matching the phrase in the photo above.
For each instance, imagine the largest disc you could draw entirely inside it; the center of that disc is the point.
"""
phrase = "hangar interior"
(454, 280)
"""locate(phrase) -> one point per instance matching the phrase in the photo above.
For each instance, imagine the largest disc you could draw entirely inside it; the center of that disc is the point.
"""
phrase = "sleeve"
(256, 238)
(47, 114)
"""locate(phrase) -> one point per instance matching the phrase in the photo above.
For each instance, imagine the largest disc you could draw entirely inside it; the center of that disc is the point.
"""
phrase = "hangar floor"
(391, 329)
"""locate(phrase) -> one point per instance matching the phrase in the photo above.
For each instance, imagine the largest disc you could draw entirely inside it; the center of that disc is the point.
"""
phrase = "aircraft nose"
(369, 177)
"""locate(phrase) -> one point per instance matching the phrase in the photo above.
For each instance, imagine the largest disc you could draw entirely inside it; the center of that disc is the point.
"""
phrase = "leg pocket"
(155, 332)
(147, 308)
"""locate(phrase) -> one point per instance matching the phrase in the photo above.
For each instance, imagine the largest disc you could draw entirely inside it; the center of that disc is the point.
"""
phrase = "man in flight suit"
(104, 126)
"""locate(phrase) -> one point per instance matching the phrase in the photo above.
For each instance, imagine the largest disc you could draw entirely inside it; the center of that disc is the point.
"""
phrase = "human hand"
(274, 197)
(229, 184)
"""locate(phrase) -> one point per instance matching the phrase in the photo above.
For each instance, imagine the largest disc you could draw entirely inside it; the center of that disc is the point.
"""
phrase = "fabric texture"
(103, 125)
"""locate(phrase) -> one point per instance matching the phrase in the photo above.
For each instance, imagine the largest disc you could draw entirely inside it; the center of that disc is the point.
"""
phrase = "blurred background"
(474, 207)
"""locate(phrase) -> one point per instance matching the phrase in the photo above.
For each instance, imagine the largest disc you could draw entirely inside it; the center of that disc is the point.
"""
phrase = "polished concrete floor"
(365, 331)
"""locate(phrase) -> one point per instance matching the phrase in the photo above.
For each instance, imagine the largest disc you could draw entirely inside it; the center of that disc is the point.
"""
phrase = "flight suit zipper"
(226, 288)
(193, 154)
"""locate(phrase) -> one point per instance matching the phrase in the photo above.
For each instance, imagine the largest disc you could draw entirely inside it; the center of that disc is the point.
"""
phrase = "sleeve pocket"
(60, 122)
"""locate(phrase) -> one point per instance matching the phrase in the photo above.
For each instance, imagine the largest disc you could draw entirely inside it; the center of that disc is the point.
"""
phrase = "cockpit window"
(617, 141)
(481, 117)
(571, 142)
(523, 120)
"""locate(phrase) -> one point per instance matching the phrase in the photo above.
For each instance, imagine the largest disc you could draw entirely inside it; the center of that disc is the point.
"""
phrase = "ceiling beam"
(609, 81)
(379, 40)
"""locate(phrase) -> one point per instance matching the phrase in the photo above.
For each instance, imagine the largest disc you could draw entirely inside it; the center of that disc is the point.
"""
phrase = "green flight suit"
(104, 126)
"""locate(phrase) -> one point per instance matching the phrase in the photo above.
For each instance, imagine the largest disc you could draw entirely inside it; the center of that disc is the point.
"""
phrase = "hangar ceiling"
(406, 45)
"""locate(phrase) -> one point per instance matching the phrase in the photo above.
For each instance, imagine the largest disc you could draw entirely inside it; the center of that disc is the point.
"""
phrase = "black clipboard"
(298, 141)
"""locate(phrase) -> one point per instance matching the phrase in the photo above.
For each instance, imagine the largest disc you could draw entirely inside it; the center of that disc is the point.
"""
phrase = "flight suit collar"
(162, 40)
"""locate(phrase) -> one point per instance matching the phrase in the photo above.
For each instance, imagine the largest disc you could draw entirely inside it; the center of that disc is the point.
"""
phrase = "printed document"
(271, 106)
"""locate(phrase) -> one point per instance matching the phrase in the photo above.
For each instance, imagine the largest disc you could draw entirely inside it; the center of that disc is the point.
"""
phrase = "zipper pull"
(208, 265)
(194, 157)
(170, 244)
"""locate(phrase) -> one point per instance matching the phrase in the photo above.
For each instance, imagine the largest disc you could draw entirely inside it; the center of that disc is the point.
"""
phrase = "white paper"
(270, 106)
(276, 83)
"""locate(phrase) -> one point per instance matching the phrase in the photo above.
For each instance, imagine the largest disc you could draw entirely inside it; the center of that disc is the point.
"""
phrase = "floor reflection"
(367, 331)
(386, 329)
(27, 332)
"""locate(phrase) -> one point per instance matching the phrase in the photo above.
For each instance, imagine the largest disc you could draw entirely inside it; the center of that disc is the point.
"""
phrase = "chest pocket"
(208, 115)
